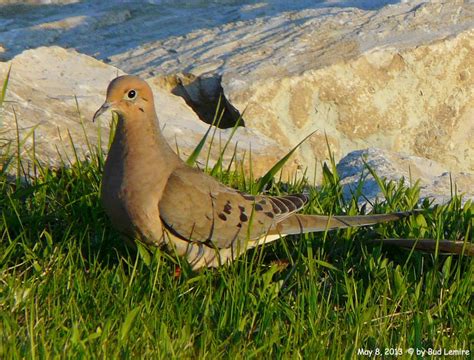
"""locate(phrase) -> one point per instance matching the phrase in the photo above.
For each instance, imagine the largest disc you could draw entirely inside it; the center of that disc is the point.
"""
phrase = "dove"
(153, 196)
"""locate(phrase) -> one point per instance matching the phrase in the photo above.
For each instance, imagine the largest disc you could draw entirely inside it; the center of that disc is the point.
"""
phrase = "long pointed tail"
(430, 245)
(298, 224)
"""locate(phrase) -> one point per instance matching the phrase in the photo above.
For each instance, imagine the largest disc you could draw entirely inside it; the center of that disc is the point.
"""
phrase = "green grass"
(69, 288)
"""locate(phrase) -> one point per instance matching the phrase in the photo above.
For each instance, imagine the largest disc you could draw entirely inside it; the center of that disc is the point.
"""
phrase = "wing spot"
(270, 214)
(248, 197)
(258, 207)
(243, 215)
(222, 216)
(227, 207)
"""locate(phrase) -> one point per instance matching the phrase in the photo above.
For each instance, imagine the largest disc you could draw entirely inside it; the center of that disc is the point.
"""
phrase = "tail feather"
(298, 224)
(430, 245)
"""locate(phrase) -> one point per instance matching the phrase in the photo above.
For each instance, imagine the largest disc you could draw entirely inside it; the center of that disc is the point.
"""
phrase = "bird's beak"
(106, 106)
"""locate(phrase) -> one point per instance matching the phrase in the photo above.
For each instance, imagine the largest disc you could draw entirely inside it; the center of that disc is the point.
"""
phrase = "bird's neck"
(142, 149)
(144, 132)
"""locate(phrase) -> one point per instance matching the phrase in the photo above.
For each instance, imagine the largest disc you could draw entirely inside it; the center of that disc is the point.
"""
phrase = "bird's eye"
(132, 94)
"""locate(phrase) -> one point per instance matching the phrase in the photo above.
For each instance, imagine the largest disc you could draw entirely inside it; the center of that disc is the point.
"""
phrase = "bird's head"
(127, 95)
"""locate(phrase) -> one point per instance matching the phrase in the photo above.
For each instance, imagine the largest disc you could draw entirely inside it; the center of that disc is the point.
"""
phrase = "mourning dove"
(151, 195)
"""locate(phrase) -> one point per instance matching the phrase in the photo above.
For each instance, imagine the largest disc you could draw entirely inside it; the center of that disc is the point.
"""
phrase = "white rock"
(435, 182)
(45, 84)
(399, 77)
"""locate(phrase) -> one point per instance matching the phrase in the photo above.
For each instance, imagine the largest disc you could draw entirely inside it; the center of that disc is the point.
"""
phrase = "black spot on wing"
(258, 207)
(243, 215)
(222, 217)
(227, 207)
(248, 197)
(270, 214)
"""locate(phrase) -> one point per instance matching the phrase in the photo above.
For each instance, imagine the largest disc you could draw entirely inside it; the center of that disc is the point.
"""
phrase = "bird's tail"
(298, 224)
(432, 245)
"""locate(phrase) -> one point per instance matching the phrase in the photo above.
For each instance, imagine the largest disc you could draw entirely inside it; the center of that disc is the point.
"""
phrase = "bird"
(151, 195)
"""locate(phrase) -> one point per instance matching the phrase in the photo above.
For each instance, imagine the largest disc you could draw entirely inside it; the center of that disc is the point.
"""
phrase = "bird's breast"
(132, 205)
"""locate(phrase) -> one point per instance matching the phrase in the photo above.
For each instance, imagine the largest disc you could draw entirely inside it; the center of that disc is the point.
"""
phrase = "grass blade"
(3, 93)
(265, 179)
(191, 160)
(218, 165)
(128, 323)
(197, 150)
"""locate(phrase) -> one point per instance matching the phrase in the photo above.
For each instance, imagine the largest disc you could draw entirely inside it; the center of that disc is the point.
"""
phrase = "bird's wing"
(196, 207)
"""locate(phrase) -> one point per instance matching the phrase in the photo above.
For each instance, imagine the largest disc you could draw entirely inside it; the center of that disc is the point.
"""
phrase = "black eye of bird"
(132, 94)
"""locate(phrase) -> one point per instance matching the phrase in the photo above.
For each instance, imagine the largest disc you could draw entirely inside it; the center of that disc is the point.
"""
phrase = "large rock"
(435, 182)
(418, 100)
(36, 2)
(398, 77)
(54, 92)
(106, 28)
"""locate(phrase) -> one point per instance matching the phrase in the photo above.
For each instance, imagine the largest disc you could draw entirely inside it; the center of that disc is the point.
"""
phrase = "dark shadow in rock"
(202, 95)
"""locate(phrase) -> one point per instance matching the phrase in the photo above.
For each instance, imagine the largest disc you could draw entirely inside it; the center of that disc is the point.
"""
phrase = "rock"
(52, 90)
(36, 2)
(398, 77)
(118, 26)
(435, 182)
(416, 98)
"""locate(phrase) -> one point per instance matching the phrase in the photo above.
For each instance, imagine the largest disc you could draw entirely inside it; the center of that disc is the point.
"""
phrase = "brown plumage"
(149, 193)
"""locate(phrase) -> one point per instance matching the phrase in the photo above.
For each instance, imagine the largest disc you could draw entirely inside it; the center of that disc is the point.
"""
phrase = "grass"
(69, 288)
